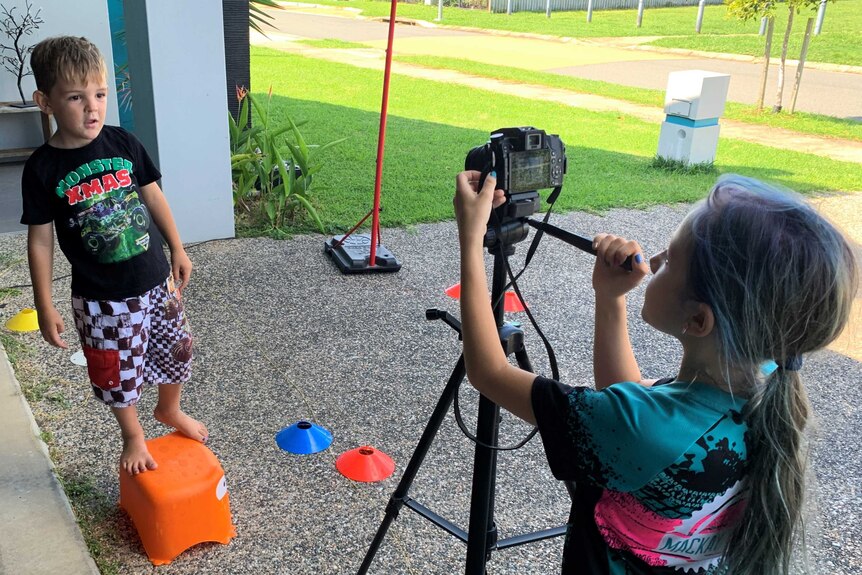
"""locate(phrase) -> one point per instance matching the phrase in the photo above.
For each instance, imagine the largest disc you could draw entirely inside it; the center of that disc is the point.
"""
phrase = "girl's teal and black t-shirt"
(659, 473)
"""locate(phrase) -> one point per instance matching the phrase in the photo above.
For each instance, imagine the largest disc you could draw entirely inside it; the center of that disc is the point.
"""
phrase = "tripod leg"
(396, 501)
(482, 536)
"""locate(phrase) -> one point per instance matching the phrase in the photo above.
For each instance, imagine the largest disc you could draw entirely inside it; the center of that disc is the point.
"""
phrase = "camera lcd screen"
(530, 170)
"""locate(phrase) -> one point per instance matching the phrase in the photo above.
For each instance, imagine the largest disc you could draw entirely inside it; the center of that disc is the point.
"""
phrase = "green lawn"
(840, 40)
(839, 43)
(432, 126)
(815, 124)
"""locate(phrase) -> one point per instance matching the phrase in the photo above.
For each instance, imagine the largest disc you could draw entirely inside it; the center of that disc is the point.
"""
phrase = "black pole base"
(351, 255)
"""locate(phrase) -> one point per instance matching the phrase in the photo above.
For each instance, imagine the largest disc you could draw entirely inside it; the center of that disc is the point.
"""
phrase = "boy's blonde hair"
(65, 58)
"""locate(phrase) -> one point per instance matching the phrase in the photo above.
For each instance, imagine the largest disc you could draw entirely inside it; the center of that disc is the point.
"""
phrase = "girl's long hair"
(780, 280)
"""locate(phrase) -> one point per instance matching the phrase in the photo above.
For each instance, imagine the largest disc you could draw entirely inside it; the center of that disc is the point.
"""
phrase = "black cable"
(513, 282)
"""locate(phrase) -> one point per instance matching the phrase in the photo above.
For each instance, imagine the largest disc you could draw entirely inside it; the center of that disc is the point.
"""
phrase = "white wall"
(87, 18)
(176, 61)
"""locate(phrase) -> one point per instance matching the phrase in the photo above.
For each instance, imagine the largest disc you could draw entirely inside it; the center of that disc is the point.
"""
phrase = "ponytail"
(776, 415)
(780, 281)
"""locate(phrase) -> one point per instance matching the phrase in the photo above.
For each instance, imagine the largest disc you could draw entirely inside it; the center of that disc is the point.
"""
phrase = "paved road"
(823, 92)
(831, 93)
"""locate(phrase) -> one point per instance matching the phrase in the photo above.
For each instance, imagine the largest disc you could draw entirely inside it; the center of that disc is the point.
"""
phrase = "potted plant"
(14, 55)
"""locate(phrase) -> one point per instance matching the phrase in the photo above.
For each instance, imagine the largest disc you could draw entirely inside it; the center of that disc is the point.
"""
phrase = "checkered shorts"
(132, 341)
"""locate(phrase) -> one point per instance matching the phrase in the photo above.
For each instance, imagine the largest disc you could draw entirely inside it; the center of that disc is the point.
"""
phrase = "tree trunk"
(770, 25)
(803, 54)
(236, 50)
(22, 60)
(778, 95)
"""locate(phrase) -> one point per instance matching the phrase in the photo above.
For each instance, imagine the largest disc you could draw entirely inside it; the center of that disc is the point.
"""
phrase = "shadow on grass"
(422, 158)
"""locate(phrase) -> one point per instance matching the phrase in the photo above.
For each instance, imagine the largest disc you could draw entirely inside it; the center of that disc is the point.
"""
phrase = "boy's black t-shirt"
(103, 227)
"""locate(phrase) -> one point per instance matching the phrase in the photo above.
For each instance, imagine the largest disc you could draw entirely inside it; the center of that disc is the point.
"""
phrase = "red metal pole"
(381, 139)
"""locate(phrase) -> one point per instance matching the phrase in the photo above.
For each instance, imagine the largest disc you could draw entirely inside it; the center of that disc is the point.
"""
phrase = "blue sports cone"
(303, 438)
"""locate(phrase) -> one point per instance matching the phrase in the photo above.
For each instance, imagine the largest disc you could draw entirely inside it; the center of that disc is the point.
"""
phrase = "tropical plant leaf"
(270, 211)
(284, 188)
(300, 141)
(300, 158)
(280, 131)
(330, 144)
(257, 17)
(263, 156)
(242, 160)
(310, 209)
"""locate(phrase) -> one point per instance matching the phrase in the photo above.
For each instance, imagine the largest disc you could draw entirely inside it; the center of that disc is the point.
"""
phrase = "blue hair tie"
(792, 363)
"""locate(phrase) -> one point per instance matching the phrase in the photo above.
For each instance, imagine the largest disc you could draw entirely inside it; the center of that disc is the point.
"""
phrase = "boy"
(98, 186)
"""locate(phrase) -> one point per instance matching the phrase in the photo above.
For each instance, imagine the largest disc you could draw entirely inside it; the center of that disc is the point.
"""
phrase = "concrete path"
(38, 532)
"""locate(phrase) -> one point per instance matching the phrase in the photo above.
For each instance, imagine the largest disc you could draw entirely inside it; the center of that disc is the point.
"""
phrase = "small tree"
(748, 9)
(14, 56)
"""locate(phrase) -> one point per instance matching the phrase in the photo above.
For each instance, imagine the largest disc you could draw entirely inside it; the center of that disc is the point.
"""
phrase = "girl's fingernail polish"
(638, 258)
(493, 174)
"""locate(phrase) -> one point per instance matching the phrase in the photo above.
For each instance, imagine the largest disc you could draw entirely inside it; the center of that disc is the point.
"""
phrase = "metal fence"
(565, 5)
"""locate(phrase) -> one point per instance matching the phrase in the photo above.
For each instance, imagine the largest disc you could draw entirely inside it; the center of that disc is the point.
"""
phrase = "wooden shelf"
(24, 153)
(13, 154)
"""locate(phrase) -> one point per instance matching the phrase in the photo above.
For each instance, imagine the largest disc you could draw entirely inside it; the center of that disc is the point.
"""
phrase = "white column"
(176, 61)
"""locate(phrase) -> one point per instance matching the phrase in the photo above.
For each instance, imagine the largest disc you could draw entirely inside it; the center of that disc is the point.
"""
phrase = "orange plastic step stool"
(182, 503)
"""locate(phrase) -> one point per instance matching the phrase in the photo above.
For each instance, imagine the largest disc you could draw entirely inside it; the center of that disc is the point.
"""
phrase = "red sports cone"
(365, 464)
(511, 304)
(454, 292)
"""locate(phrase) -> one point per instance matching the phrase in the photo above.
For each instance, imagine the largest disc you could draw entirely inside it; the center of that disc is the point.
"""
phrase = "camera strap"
(513, 282)
(539, 233)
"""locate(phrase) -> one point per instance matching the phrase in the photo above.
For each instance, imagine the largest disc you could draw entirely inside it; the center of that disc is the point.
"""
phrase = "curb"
(35, 508)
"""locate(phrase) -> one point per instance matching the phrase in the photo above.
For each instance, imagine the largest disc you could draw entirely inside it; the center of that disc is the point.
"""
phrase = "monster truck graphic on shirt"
(114, 227)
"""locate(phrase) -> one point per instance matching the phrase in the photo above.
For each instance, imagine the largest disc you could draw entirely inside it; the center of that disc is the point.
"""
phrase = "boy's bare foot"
(186, 425)
(135, 457)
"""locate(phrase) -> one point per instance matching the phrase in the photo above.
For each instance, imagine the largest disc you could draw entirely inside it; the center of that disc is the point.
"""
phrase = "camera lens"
(479, 159)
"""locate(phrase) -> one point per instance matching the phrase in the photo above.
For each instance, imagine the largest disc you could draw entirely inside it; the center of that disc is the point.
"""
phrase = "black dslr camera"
(526, 159)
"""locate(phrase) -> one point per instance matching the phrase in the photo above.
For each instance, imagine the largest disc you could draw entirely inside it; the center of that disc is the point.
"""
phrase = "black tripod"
(481, 538)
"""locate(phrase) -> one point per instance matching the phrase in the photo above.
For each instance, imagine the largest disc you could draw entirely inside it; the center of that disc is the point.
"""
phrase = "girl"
(703, 472)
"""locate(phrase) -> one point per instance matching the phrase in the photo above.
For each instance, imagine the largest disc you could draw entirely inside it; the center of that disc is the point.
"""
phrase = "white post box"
(694, 102)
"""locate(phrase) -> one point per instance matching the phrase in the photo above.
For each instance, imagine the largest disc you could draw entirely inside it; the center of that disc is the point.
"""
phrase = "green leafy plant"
(269, 169)
(242, 151)
(681, 167)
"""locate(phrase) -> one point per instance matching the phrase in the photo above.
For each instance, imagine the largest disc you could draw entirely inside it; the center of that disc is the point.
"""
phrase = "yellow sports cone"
(24, 320)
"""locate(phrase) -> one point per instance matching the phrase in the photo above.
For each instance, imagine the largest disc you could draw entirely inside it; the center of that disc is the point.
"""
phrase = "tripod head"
(507, 234)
